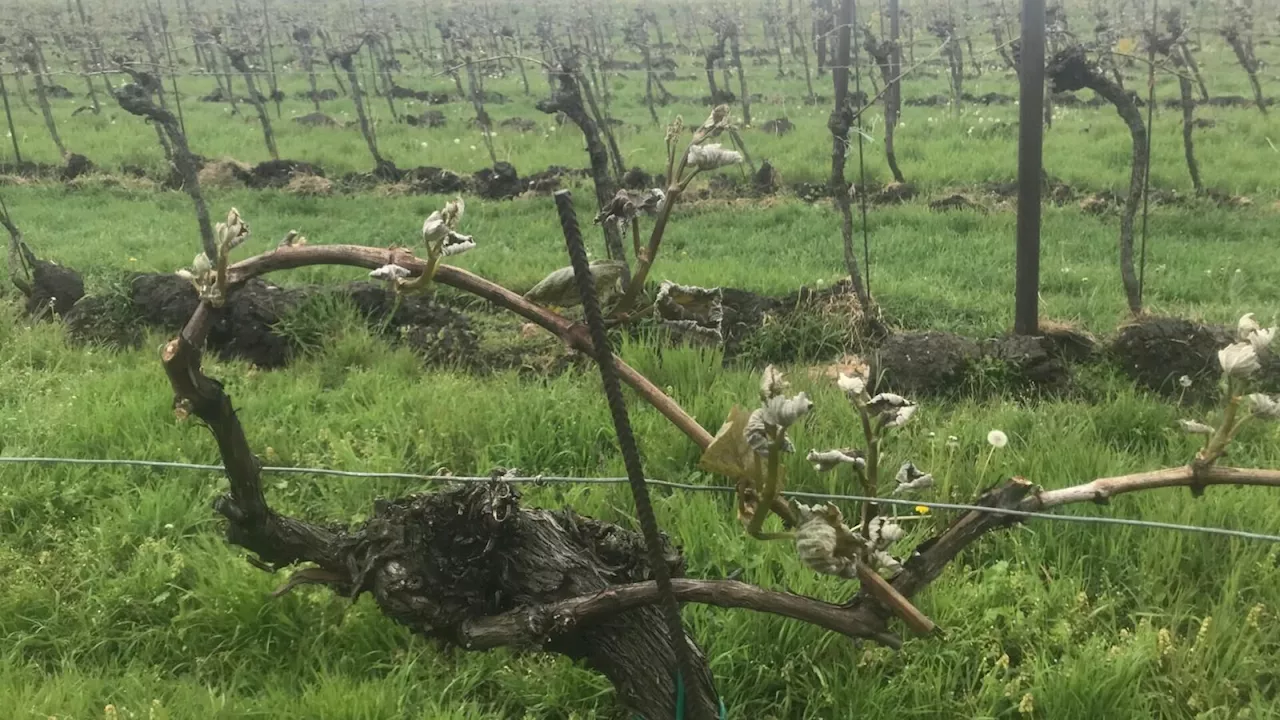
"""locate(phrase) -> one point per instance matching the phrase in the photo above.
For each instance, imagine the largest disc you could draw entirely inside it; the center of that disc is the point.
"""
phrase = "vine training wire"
(539, 480)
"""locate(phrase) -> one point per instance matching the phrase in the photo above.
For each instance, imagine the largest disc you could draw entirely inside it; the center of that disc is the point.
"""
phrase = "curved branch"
(573, 334)
(534, 626)
(1100, 490)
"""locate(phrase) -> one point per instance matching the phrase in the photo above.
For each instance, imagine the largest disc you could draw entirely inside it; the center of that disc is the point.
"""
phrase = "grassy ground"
(937, 146)
(118, 588)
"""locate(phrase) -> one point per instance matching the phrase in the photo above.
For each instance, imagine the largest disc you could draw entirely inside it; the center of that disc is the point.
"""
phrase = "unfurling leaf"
(1264, 406)
(910, 479)
(729, 454)
(824, 543)
(883, 532)
(772, 383)
(830, 459)
(1239, 360)
(1195, 427)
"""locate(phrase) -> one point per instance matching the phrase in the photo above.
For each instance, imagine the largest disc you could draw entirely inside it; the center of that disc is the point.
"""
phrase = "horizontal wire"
(723, 489)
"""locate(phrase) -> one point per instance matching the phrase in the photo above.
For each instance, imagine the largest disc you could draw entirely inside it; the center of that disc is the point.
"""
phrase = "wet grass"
(118, 588)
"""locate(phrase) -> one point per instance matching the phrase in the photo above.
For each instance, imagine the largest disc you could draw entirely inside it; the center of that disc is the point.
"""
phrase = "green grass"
(118, 588)
(936, 147)
(121, 587)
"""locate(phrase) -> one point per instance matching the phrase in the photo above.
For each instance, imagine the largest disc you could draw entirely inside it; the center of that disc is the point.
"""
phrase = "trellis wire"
(540, 480)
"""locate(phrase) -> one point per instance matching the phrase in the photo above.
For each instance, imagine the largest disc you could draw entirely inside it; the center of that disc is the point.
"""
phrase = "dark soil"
(519, 124)
(916, 364)
(433, 180)
(1023, 362)
(780, 126)
(247, 328)
(321, 95)
(278, 173)
(955, 202)
(766, 181)
(429, 119)
(501, 182)
(75, 166)
(53, 288)
(316, 119)
(425, 96)
(551, 179)
(637, 179)
(1156, 351)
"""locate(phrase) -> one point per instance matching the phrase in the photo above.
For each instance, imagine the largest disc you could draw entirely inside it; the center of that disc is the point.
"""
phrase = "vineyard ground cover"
(118, 588)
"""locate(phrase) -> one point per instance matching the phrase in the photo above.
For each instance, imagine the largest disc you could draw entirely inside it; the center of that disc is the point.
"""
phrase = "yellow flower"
(133, 259)
(921, 509)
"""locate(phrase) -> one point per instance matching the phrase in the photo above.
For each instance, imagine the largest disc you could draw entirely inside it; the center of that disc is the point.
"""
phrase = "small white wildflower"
(1195, 427)
(712, 157)
(851, 384)
(1265, 406)
(1239, 360)
(1246, 326)
(997, 439)
(1185, 381)
(389, 272)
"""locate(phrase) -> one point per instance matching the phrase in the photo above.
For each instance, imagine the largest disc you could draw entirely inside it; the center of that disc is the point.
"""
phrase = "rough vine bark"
(883, 53)
(343, 59)
(306, 55)
(567, 98)
(135, 98)
(1069, 70)
(736, 55)
(237, 59)
(797, 36)
(32, 57)
(1173, 46)
(839, 123)
(1237, 33)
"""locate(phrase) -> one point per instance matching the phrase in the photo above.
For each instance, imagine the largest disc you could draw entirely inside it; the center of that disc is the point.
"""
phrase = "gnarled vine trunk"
(1069, 70)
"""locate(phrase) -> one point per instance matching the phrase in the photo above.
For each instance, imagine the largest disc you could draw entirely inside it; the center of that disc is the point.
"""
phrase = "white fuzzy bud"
(1195, 427)
(882, 532)
(831, 459)
(1239, 360)
(389, 272)
(772, 383)
(1261, 339)
(712, 157)
(1246, 326)
(1265, 406)
(851, 384)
